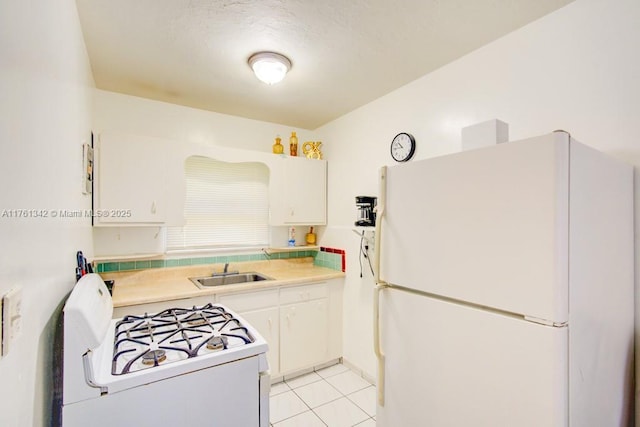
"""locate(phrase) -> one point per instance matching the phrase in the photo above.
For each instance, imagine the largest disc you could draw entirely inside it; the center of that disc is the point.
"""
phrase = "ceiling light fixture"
(269, 67)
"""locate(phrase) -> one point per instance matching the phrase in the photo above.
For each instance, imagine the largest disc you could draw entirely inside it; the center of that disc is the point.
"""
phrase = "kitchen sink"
(228, 279)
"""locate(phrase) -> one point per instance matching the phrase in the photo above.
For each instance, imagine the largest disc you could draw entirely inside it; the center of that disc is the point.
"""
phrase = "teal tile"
(100, 268)
(156, 263)
(209, 260)
(222, 259)
(111, 266)
(142, 264)
(172, 263)
(127, 266)
(244, 258)
(255, 257)
(184, 261)
(198, 261)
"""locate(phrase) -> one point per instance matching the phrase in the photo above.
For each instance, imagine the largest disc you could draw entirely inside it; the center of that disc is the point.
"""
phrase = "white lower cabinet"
(302, 324)
(265, 321)
(303, 334)
(260, 309)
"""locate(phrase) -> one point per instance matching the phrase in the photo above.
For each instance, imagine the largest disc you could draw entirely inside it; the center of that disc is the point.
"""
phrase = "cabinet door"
(131, 179)
(265, 321)
(303, 335)
(298, 191)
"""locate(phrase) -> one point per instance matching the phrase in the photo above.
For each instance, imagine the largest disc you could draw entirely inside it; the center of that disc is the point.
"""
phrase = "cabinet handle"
(270, 323)
(153, 207)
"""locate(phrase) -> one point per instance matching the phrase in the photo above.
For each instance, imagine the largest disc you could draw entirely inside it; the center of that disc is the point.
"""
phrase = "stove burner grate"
(174, 334)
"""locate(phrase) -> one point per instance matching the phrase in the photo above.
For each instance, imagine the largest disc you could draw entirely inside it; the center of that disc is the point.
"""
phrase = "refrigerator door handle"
(378, 228)
(380, 285)
(377, 346)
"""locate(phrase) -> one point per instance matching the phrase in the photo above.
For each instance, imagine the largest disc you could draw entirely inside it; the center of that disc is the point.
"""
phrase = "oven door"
(224, 395)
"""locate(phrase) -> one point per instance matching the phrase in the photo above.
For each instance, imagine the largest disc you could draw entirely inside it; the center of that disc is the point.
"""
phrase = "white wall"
(45, 83)
(577, 69)
(130, 114)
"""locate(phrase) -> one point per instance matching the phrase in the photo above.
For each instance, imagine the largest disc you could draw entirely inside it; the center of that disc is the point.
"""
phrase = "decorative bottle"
(310, 238)
(278, 148)
(293, 144)
(292, 236)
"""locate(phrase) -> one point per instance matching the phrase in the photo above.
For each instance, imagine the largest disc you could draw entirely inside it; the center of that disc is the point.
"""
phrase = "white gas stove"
(200, 366)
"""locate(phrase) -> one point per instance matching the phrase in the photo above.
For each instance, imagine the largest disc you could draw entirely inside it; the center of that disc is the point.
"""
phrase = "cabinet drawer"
(157, 307)
(250, 300)
(303, 293)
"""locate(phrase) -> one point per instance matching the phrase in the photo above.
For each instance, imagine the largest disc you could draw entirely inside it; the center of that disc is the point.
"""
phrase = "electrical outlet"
(11, 318)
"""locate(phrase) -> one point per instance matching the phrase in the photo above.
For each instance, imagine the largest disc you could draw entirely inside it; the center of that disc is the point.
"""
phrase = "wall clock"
(403, 146)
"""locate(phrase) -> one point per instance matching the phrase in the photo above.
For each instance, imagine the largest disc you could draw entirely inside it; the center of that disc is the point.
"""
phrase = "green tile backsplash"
(329, 260)
(107, 267)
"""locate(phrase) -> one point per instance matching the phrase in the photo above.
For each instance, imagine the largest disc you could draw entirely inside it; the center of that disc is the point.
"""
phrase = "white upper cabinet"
(298, 191)
(134, 179)
(140, 180)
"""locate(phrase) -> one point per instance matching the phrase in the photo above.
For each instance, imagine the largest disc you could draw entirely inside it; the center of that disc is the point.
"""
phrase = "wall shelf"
(294, 248)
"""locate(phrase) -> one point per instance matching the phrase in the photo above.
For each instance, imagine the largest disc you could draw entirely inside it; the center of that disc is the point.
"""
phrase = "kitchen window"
(226, 206)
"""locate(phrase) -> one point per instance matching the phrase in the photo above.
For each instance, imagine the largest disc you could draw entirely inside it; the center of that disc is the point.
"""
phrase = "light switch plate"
(11, 318)
(87, 168)
(1, 327)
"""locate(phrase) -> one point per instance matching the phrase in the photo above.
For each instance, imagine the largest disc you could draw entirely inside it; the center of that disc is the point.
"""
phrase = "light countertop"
(166, 284)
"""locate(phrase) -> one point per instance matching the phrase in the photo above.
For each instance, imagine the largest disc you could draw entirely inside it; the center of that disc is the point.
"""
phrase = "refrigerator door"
(487, 226)
(451, 365)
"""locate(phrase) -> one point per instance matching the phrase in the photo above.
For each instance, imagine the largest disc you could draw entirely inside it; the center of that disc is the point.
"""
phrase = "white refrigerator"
(504, 292)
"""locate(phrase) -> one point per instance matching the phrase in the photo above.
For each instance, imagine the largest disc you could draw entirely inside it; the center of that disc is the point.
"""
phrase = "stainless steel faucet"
(225, 272)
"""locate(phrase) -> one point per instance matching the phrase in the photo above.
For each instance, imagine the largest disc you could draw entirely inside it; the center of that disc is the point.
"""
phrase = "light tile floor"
(330, 397)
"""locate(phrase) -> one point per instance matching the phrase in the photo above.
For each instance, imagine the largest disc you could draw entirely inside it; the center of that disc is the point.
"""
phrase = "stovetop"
(144, 342)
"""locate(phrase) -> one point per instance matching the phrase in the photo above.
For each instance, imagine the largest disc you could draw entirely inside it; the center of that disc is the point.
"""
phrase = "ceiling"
(345, 53)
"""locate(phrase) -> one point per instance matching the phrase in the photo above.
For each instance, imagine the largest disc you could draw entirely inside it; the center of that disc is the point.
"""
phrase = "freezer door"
(451, 365)
(488, 226)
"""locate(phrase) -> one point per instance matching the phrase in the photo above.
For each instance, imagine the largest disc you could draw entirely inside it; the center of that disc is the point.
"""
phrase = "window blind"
(227, 205)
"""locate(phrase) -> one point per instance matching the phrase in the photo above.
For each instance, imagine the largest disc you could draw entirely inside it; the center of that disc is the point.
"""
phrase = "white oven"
(197, 366)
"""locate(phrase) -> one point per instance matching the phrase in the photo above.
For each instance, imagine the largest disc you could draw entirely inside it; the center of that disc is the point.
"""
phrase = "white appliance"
(199, 366)
(505, 288)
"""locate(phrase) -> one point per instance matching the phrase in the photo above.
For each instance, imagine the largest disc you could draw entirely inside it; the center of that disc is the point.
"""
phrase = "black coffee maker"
(366, 213)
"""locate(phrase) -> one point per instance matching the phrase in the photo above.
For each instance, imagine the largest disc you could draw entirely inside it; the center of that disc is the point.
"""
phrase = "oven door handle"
(88, 373)
(264, 390)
